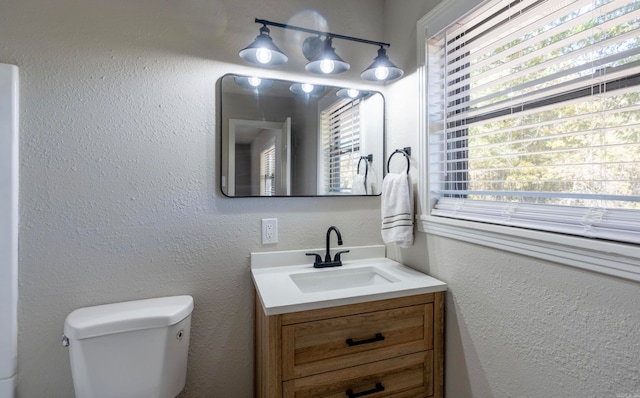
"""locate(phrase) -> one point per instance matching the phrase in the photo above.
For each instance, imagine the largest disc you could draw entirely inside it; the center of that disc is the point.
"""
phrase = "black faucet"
(336, 262)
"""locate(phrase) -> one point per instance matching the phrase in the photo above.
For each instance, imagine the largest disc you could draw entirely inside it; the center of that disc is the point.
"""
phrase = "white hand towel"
(372, 178)
(358, 187)
(368, 184)
(397, 210)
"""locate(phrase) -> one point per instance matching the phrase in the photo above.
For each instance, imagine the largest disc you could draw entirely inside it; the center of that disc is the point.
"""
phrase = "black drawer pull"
(379, 337)
(379, 387)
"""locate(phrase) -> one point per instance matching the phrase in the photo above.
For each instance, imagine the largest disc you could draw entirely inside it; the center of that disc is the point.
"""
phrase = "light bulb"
(263, 55)
(327, 66)
(254, 81)
(382, 72)
(307, 88)
(352, 92)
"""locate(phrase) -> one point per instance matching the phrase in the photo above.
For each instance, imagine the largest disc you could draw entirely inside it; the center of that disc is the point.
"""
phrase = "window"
(340, 126)
(531, 117)
(268, 171)
(539, 121)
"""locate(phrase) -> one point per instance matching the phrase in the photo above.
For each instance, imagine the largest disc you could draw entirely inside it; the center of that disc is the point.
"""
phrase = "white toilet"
(130, 349)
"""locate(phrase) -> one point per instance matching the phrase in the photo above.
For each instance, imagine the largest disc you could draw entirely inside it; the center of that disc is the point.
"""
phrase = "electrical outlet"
(269, 230)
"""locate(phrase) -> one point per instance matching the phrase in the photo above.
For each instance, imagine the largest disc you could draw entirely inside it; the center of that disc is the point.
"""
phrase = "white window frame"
(611, 258)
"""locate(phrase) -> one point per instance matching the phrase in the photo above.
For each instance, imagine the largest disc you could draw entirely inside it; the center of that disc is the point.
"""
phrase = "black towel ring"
(367, 159)
(406, 152)
(366, 165)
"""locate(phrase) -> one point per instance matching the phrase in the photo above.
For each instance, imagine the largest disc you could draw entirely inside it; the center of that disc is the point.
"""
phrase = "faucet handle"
(318, 258)
(337, 256)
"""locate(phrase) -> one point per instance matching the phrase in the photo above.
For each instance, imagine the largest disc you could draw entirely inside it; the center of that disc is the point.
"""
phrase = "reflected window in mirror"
(268, 171)
(340, 127)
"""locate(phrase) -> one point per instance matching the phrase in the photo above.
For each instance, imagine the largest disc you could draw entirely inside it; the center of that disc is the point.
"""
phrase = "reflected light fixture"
(382, 68)
(351, 93)
(306, 89)
(262, 51)
(253, 83)
(319, 50)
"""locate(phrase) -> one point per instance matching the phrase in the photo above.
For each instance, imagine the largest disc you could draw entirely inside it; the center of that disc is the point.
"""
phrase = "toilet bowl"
(130, 349)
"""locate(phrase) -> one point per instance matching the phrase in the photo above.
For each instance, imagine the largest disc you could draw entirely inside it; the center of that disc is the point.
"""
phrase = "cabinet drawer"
(337, 343)
(409, 376)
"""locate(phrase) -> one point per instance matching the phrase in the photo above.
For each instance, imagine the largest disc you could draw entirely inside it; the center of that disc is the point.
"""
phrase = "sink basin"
(340, 278)
(286, 281)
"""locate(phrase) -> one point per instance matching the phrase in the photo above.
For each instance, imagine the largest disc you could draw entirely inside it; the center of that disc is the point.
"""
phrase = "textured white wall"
(119, 201)
(520, 327)
(516, 326)
(119, 196)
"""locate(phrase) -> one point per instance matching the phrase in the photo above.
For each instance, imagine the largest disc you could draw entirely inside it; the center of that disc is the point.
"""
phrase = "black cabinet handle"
(379, 337)
(379, 387)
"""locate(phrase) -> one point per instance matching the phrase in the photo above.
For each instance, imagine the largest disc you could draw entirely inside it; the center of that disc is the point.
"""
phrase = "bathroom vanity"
(380, 337)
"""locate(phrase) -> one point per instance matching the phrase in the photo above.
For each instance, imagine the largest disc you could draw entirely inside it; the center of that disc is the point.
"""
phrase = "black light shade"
(382, 69)
(262, 51)
(327, 62)
(311, 47)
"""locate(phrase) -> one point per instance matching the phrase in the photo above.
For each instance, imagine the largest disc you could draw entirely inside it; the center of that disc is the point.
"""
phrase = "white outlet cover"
(269, 230)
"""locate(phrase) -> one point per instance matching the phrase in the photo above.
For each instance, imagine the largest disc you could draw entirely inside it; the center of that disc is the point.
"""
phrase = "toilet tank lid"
(101, 320)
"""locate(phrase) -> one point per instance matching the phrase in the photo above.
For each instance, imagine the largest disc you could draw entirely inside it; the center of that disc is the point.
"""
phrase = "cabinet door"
(337, 343)
(409, 376)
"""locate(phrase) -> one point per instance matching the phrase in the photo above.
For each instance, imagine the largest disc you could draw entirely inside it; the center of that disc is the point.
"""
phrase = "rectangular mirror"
(285, 138)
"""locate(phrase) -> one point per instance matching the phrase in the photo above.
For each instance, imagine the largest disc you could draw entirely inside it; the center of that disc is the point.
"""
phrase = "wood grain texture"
(320, 346)
(305, 354)
(438, 345)
(268, 355)
(404, 376)
(351, 309)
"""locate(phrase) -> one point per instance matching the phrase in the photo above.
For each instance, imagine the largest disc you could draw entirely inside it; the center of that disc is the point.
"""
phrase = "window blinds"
(341, 144)
(534, 117)
(268, 171)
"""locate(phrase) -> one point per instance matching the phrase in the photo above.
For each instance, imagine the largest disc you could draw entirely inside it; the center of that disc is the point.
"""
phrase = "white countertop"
(279, 293)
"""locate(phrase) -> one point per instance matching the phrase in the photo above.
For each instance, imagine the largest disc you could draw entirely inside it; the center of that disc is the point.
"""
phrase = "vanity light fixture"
(327, 61)
(319, 50)
(382, 68)
(262, 51)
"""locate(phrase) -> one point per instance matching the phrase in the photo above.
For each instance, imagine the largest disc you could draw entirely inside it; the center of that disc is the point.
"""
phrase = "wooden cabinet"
(386, 348)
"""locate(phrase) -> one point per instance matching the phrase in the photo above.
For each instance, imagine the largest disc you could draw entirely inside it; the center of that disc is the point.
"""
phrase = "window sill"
(610, 258)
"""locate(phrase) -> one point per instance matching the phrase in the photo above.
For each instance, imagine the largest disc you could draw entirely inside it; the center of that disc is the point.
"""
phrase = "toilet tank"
(130, 349)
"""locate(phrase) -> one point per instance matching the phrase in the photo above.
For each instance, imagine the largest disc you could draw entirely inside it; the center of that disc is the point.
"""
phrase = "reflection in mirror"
(284, 138)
